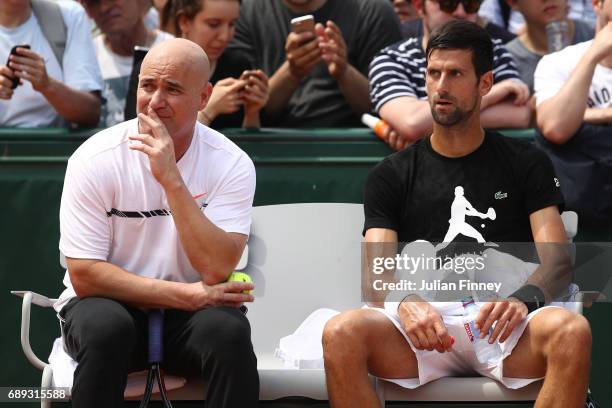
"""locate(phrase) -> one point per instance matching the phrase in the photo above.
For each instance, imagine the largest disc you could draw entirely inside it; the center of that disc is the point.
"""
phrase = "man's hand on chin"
(155, 142)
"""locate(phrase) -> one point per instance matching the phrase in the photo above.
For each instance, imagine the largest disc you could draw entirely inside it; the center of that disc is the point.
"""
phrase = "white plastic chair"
(302, 257)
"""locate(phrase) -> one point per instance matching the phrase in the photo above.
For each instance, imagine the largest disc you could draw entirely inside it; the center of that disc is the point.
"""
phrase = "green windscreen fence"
(306, 165)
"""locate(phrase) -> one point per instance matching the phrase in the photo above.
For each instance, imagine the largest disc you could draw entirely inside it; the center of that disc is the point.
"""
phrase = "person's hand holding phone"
(227, 97)
(30, 66)
(333, 48)
(302, 47)
(256, 91)
(8, 80)
(6, 85)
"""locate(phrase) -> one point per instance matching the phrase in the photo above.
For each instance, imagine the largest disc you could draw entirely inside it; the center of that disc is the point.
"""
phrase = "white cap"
(369, 120)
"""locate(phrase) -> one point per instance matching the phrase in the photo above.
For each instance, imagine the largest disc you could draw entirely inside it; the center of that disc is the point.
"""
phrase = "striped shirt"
(399, 70)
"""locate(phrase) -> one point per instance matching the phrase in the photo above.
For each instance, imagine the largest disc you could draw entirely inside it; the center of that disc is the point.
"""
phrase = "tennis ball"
(241, 277)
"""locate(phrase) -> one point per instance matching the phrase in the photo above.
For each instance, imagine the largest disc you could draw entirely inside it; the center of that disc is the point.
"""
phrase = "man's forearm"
(380, 243)
(355, 88)
(495, 96)
(506, 115)
(560, 116)
(417, 124)
(211, 251)
(554, 274)
(103, 279)
(598, 116)
(282, 87)
(79, 107)
(251, 120)
(553, 277)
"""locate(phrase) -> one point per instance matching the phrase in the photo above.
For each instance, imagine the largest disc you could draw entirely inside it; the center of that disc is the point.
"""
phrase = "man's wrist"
(288, 75)
(344, 77)
(209, 114)
(531, 295)
(592, 58)
(411, 297)
(50, 87)
(251, 113)
(173, 185)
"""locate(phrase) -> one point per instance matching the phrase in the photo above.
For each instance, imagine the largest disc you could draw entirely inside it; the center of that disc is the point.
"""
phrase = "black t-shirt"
(413, 192)
(231, 63)
(367, 26)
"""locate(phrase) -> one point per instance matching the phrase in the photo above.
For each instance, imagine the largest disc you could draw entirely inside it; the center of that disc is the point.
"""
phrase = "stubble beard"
(452, 118)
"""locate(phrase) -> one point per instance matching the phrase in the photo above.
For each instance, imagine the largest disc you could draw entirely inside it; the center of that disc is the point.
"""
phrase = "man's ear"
(205, 95)
(486, 83)
(595, 4)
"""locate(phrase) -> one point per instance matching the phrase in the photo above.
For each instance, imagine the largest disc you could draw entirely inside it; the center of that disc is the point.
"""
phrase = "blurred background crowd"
(74, 63)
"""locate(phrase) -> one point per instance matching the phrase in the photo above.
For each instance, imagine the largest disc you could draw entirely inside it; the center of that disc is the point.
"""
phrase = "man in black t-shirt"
(318, 78)
(397, 79)
(463, 184)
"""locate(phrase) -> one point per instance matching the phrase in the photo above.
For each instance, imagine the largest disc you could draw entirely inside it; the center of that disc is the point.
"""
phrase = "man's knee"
(225, 331)
(344, 331)
(575, 333)
(103, 325)
(568, 333)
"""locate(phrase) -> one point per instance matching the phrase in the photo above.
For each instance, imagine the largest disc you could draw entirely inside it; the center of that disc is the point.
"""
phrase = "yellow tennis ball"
(241, 277)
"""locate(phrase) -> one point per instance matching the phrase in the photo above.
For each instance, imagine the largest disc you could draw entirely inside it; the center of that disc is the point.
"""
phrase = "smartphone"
(15, 80)
(129, 111)
(302, 24)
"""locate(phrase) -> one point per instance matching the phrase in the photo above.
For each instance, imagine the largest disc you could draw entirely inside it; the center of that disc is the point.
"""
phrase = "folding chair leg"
(379, 387)
(47, 378)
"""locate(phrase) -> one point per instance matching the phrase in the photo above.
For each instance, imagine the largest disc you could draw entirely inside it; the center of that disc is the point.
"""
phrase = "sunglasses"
(449, 6)
(94, 3)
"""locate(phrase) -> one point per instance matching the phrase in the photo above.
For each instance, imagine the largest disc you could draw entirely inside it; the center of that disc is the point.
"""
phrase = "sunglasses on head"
(449, 6)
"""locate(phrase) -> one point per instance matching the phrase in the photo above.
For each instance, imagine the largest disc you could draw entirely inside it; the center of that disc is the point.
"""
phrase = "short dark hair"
(173, 9)
(464, 35)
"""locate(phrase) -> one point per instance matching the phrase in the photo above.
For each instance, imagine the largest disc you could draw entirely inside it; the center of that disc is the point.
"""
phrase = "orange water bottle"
(379, 126)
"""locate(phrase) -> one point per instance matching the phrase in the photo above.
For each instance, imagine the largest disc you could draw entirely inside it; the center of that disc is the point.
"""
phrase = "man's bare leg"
(361, 341)
(556, 344)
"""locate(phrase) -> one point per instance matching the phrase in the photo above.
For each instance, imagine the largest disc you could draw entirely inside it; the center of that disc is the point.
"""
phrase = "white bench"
(303, 257)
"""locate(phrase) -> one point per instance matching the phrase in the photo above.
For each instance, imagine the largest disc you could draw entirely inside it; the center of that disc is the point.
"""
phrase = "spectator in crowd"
(397, 82)
(415, 28)
(317, 78)
(54, 84)
(404, 10)
(239, 92)
(531, 44)
(573, 89)
(500, 13)
(408, 197)
(122, 27)
(166, 19)
(155, 213)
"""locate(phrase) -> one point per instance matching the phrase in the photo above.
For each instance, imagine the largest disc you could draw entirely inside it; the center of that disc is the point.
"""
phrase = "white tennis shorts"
(461, 360)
